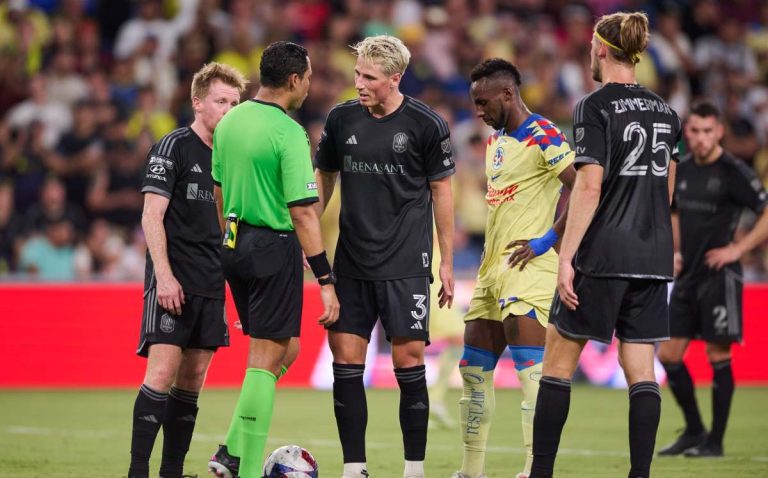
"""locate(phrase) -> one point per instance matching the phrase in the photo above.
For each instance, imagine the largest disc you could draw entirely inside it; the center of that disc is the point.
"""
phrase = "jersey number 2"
(629, 166)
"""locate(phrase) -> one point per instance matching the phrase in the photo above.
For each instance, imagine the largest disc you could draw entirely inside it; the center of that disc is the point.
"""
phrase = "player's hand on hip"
(445, 295)
(330, 306)
(565, 276)
(521, 255)
(170, 295)
(722, 256)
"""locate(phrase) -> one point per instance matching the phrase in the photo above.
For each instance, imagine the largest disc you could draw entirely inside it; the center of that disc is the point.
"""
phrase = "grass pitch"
(55, 434)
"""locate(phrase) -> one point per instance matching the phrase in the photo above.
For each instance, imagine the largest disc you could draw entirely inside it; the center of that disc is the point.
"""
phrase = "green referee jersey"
(261, 161)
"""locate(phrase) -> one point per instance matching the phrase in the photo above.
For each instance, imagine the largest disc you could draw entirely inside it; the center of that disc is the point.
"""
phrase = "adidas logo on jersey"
(417, 326)
(197, 169)
(352, 140)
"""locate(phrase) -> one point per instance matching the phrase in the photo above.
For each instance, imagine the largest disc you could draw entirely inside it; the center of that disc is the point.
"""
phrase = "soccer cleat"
(683, 442)
(704, 450)
(224, 465)
(459, 474)
(521, 475)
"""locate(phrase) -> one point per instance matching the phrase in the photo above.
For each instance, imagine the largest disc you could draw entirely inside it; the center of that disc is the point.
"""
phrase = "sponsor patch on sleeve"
(312, 186)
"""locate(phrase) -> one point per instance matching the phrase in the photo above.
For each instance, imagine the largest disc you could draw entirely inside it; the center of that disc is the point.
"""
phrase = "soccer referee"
(266, 188)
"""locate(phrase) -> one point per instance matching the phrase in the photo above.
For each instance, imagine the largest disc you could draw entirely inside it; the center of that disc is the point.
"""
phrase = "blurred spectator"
(23, 160)
(78, 154)
(10, 229)
(149, 117)
(149, 23)
(115, 194)
(52, 206)
(51, 256)
(54, 116)
(64, 83)
(104, 248)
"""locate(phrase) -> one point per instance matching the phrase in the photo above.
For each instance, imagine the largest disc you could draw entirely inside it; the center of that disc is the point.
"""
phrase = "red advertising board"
(85, 335)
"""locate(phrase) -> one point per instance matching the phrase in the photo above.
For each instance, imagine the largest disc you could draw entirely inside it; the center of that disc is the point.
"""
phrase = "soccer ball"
(290, 461)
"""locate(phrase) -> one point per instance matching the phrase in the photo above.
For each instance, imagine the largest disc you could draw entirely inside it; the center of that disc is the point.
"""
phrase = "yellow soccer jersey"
(522, 168)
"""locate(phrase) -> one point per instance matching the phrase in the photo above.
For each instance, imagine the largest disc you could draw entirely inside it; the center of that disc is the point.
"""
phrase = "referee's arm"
(307, 226)
(326, 182)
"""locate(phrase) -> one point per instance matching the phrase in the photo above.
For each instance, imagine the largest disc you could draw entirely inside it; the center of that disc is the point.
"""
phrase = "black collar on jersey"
(269, 104)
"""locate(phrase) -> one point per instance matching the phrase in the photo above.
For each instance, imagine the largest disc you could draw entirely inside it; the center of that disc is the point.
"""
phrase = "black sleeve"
(678, 139)
(162, 169)
(326, 158)
(437, 150)
(745, 187)
(589, 134)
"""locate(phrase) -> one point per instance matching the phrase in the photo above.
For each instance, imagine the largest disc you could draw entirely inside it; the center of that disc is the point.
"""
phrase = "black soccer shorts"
(201, 325)
(635, 308)
(401, 304)
(708, 308)
(265, 275)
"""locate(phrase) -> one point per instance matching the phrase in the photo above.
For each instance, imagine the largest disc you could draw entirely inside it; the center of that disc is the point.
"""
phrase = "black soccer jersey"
(633, 134)
(179, 168)
(386, 165)
(709, 199)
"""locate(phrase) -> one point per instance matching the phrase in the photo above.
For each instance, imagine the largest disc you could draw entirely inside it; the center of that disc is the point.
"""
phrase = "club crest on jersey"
(167, 323)
(400, 143)
(498, 158)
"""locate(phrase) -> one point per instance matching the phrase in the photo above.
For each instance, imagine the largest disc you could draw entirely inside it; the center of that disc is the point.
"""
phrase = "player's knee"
(160, 377)
(718, 352)
(474, 358)
(526, 356)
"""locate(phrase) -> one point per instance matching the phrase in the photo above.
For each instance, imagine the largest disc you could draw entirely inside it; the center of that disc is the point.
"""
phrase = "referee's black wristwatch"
(329, 279)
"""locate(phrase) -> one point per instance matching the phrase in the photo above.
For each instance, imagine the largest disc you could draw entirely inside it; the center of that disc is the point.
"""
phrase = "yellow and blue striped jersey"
(522, 168)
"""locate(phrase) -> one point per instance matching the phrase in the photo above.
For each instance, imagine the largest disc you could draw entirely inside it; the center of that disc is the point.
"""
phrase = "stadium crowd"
(87, 86)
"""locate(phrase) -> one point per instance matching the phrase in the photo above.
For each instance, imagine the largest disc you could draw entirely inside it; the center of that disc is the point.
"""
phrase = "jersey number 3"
(635, 130)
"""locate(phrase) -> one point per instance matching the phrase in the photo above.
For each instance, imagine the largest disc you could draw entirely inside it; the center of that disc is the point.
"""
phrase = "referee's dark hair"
(705, 109)
(279, 61)
(495, 67)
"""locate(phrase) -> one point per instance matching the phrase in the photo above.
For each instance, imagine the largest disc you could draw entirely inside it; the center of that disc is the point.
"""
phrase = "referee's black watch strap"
(329, 279)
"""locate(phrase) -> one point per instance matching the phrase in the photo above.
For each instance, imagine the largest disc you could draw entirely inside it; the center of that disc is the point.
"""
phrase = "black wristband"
(319, 264)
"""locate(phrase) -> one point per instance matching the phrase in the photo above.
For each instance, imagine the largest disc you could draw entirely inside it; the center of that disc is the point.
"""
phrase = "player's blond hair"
(206, 75)
(384, 50)
(625, 33)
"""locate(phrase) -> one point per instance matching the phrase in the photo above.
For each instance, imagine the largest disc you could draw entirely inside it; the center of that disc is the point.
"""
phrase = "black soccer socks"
(722, 393)
(178, 425)
(552, 406)
(148, 413)
(681, 385)
(414, 410)
(644, 414)
(351, 410)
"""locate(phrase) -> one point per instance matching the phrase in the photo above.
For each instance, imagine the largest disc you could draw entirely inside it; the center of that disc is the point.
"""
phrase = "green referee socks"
(248, 432)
